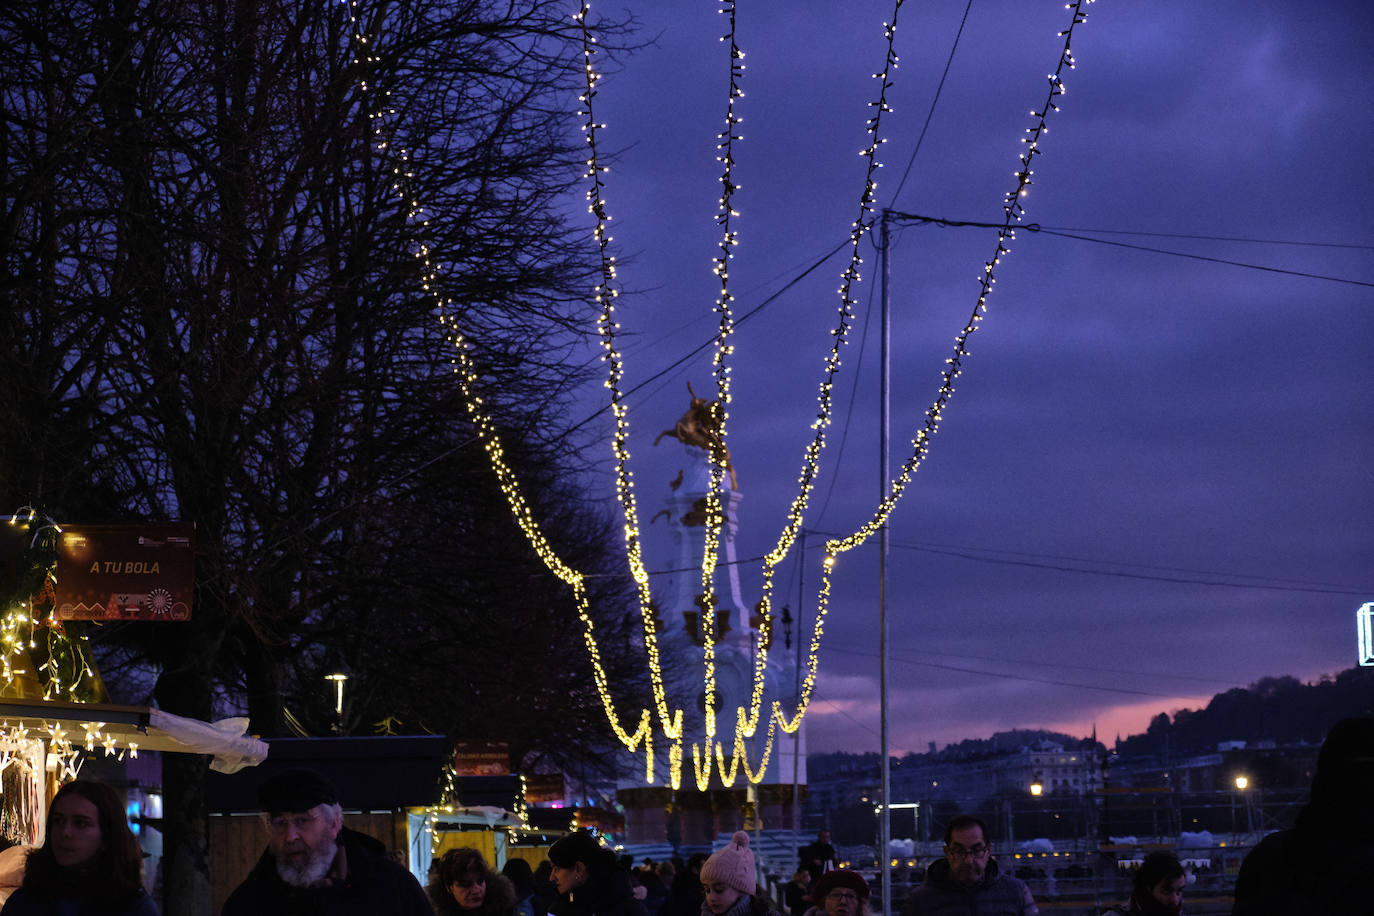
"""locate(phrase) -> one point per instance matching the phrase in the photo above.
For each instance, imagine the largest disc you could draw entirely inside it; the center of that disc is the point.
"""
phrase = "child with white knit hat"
(730, 880)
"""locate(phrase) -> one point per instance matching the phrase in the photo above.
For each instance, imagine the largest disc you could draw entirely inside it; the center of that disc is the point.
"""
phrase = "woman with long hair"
(89, 863)
(463, 885)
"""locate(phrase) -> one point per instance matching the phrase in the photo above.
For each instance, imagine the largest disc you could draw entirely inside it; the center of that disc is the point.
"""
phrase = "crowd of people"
(90, 864)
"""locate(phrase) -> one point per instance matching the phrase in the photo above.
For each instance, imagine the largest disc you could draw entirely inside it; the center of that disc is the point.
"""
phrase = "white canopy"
(105, 725)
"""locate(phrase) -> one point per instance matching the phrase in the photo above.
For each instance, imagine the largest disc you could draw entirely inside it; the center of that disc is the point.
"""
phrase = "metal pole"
(796, 687)
(885, 332)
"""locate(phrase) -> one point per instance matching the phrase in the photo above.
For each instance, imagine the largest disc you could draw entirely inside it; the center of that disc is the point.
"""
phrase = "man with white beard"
(314, 864)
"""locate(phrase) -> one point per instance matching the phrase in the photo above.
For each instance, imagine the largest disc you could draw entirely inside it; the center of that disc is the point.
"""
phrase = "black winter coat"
(374, 884)
(605, 895)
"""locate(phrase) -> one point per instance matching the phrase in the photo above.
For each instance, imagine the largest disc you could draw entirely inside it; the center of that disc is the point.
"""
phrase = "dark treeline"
(1279, 709)
(214, 312)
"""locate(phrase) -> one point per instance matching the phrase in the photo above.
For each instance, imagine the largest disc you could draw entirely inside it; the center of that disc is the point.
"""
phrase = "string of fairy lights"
(811, 460)
(710, 758)
(1013, 211)
(718, 451)
(66, 673)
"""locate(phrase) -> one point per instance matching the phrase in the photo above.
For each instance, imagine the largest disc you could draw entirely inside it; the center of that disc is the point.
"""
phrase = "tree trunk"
(185, 689)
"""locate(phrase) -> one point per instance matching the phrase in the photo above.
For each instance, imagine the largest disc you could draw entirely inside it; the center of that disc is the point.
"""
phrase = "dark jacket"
(818, 858)
(995, 895)
(373, 884)
(608, 894)
(1288, 873)
(23, 903)
(684, 897)
(1128, 908)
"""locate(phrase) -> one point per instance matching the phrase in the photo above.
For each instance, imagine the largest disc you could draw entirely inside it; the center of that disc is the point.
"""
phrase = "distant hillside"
(821, 766)
(1000, 743)
(1279, 709)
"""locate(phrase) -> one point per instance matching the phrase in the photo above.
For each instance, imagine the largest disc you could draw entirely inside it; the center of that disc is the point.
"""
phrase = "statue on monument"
(700, 427)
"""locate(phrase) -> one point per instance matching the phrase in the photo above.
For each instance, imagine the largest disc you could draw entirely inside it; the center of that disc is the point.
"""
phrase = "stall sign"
(125, 572)
(474, 757)
(544, 788)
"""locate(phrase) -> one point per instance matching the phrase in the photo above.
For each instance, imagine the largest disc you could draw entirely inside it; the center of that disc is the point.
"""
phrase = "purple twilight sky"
(1153, 482)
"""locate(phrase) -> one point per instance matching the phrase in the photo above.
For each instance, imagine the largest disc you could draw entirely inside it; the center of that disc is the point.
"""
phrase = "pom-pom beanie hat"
(733, 865)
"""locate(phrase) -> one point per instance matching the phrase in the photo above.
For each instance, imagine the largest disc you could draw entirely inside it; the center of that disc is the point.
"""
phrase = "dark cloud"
(1130, 427)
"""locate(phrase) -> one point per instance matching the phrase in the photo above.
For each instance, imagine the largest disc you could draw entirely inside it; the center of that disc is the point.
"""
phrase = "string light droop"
(711, 758)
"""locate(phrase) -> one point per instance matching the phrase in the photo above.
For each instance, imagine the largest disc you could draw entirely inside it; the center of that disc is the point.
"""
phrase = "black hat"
(579, 846)
(295, 790)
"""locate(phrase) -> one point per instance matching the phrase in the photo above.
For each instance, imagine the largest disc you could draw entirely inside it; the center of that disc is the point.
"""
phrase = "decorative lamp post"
(1242, 784)
(339, 676)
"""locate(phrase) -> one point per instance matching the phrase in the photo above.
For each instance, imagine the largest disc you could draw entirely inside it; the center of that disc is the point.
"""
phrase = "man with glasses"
(314, 864)
(967, 880)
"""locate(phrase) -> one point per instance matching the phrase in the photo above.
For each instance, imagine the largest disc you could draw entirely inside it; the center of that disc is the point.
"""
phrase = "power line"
(693, 352)
(1269, 582)
(1181, 580)
(1199, 257)
(1261, 582)
(1208, 238)
(1036, 227)
(1062, 232)
(853, 397)
(1113, 671)
(934, 101)
(1008, 675)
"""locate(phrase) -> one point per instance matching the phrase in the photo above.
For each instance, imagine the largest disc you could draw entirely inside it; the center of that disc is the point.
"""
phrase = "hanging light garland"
(748, 719)
(606, 291)
(466, 375)
(605, 295)
(718, 452)
(1014, 212)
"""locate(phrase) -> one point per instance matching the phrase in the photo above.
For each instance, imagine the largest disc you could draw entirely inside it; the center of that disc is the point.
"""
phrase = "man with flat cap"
(314, 864)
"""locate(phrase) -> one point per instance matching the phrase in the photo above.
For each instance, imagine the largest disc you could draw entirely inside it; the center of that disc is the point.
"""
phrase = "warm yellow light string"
(747, 721)
(606, 293)
(17, 636)
(466, 375)
(21, 622)
(1014, 212)
(715, 515)
(756, 776)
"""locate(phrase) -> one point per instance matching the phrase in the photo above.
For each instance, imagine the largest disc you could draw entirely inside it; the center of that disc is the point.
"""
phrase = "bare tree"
(216, 314)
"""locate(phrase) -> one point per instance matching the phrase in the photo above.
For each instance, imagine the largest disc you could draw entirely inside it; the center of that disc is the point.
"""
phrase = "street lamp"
(1243, 783)
(1037, 786)
(339, 676)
